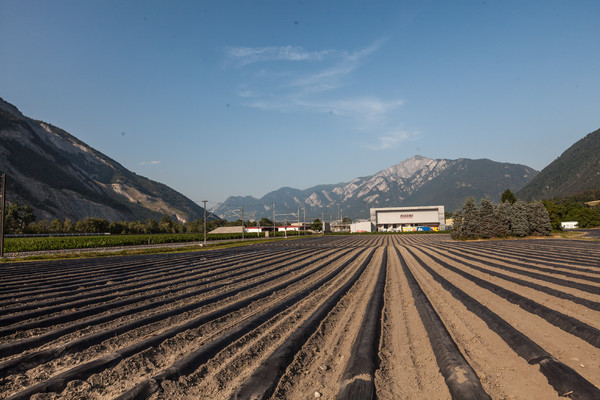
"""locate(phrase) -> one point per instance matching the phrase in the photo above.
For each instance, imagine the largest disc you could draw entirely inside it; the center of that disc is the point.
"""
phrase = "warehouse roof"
(227, 229)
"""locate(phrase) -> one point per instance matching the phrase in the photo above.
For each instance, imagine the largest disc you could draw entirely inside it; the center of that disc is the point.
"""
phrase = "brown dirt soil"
(299, 307)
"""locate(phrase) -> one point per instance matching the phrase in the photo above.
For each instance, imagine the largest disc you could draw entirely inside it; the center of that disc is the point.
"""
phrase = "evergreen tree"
(519, 220)
(487, 216)
(508, 197)
(503, 220)
(539, 220)
(457, 222)
(471, 220)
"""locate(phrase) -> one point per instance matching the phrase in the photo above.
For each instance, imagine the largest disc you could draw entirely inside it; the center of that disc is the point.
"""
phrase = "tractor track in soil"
(377, 316)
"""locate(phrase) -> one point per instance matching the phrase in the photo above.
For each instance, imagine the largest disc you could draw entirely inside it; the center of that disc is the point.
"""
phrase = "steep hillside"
(62, 177)
(576, 170)
(412, 182)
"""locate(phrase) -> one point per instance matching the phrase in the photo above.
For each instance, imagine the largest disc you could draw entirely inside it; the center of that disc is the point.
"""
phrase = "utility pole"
(274, 219)
(298, 220)
(2, 207)
(204, 201)
(242, 223)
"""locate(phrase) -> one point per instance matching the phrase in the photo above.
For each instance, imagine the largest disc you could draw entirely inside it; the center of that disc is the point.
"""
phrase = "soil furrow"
(562, 378)
(460, 377)
(358, 380)
(564, 322)
(38, 357)
(594, 305)
(264, 379)
(57, 383)
(389, 316)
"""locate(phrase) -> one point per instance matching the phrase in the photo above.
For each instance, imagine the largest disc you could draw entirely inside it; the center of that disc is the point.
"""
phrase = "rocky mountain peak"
(407, 168)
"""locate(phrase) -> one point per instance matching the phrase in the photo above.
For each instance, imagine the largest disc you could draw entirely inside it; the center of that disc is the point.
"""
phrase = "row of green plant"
(74, 242)
(21, 244)
(506, 219)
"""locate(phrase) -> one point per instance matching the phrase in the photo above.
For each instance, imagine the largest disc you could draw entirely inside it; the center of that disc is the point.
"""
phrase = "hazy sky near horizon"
(220, 98)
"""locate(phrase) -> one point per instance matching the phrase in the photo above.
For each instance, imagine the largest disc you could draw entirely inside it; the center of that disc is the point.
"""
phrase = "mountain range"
(412, 182)
(59, 176)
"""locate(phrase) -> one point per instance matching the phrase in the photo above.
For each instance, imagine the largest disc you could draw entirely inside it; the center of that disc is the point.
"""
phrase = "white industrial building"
(408, 219)
(361, 227)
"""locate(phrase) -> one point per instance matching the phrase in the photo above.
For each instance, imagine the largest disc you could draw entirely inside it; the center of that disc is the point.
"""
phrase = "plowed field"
(352, 317)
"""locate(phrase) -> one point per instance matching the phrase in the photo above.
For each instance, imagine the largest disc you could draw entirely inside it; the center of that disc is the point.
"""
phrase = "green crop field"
(77, 242)
(21, 244)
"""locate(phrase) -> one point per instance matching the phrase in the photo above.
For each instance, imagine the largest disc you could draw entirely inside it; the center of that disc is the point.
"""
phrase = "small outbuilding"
(569, 225)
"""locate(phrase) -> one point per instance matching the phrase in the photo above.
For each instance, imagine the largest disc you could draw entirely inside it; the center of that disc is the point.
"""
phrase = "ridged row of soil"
(348, 317)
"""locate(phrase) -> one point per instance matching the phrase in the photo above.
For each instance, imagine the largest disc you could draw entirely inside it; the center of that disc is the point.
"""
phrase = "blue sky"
(228, 98)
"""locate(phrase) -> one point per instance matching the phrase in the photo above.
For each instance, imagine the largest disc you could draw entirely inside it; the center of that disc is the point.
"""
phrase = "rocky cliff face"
(62, 177)
(416, 181)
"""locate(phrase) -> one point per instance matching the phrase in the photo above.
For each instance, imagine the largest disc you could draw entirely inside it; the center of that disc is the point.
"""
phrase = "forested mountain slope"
(576, 170)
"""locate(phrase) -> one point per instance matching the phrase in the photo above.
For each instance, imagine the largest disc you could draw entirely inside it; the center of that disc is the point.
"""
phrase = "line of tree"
(20, 219)
(509, 218)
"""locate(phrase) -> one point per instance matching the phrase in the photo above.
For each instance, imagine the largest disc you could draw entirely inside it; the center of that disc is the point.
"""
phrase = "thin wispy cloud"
(369, 109)
(149, 162)
(242, 56)
(331, 77)
(365, 112)
(314, 87)
(389, 141)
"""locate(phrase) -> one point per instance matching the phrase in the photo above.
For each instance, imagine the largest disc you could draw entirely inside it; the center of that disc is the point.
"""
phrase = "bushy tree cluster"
(571, 210)
(316, 225)
(17, 217)
(505, 219)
